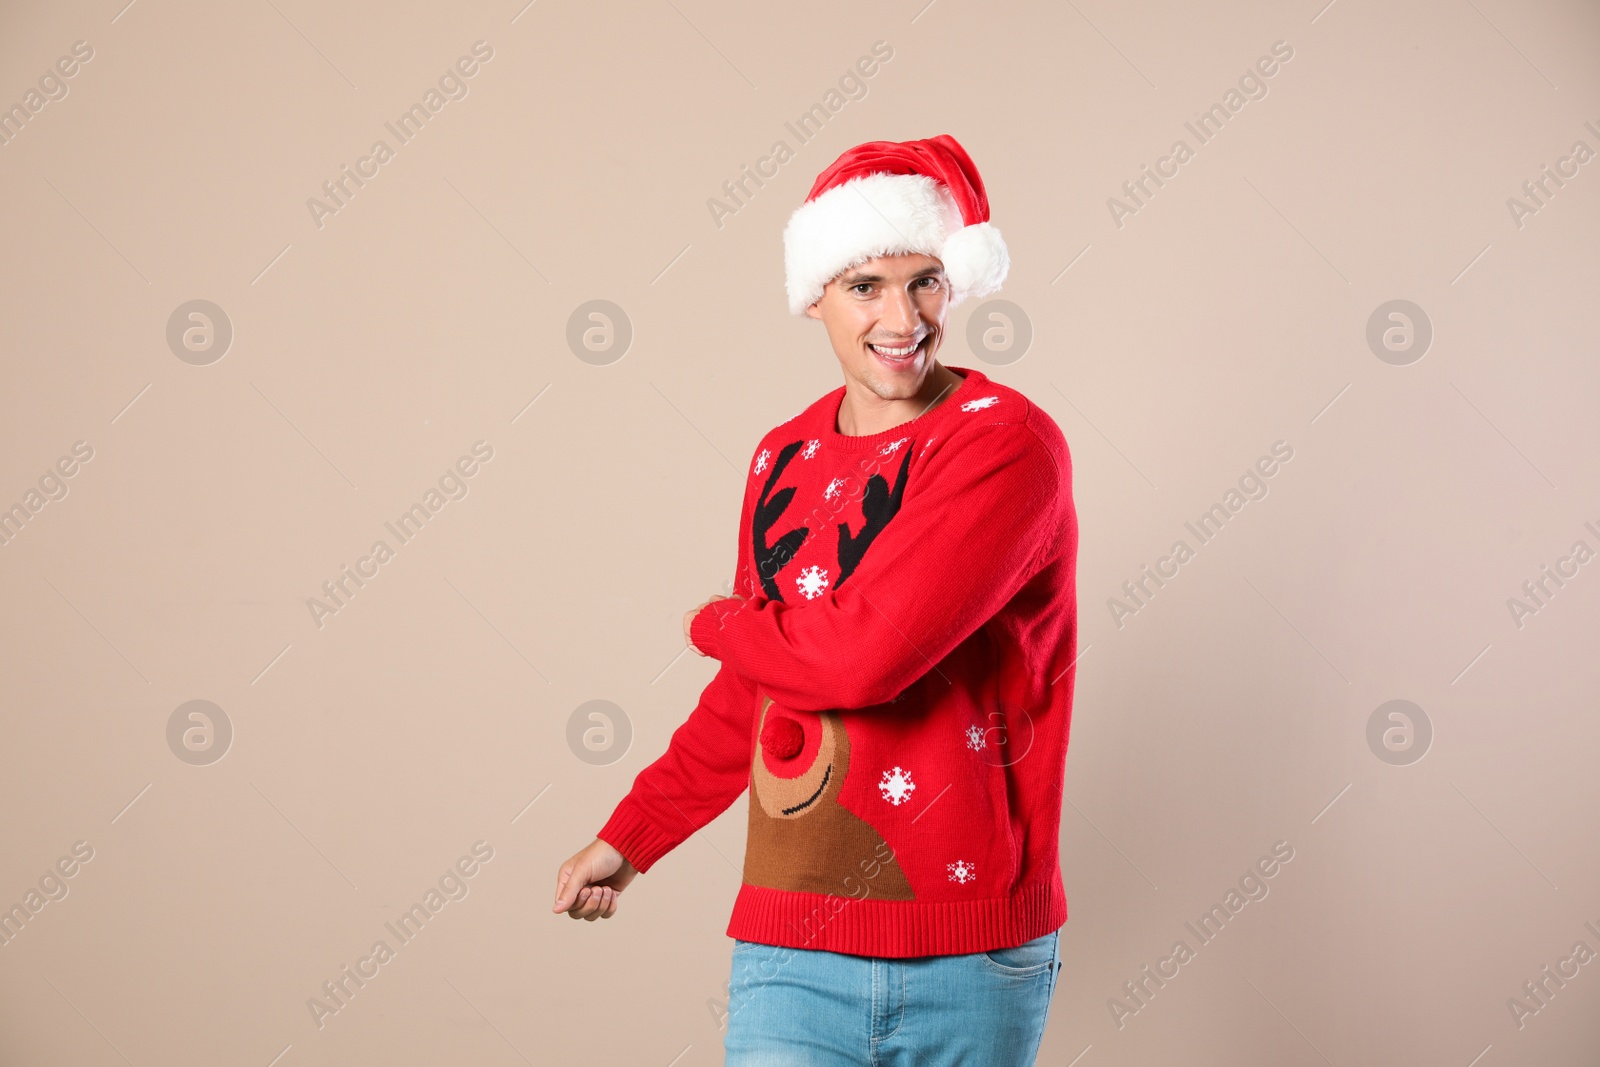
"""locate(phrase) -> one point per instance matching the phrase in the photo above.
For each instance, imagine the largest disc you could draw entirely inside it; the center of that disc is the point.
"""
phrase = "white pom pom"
(975, 260)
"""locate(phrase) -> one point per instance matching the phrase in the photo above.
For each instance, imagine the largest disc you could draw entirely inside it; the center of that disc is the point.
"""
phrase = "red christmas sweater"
(895, 686)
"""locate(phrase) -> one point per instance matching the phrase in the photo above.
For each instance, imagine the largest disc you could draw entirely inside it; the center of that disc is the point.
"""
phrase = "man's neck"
(863, 412)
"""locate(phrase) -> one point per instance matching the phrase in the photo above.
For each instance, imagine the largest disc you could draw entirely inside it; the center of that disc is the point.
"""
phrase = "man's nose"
(900, 313)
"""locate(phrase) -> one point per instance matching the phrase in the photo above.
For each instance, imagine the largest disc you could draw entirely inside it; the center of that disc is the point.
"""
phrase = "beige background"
(432, 711)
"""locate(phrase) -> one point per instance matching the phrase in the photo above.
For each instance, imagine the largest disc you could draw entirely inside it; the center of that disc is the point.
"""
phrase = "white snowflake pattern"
(812, 581)
(962, 871)
(928, 445)
(833, 489)
(975, 739)
(896, 786)
(980, 403)
(761, 460)
(893, 447)
(811, 448)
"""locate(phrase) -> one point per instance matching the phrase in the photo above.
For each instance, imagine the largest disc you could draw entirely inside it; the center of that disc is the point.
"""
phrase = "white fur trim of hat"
(888, 214)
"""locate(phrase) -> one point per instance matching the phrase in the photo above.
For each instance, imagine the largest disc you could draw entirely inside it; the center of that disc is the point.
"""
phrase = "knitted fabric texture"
(895, 684)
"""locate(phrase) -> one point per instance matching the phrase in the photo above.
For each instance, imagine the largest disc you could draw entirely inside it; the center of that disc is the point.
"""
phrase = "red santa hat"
(886, 198)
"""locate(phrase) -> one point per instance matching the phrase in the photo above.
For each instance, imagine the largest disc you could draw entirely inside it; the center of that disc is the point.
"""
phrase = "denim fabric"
(808, 1008)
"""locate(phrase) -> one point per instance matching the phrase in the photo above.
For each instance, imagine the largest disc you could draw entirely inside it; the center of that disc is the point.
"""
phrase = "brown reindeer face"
(801, 838)
(794, 771)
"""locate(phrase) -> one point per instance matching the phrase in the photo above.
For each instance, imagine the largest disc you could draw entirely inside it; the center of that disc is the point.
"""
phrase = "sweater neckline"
(971, 381)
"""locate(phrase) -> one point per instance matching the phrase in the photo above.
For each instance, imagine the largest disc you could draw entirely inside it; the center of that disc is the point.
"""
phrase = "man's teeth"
(894, 353)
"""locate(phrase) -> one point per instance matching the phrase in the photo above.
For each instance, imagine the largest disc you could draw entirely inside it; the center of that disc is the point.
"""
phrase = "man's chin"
(895, 384)
(904, 388)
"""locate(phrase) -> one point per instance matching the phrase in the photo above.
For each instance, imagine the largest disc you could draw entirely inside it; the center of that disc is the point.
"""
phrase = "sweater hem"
(896, 928)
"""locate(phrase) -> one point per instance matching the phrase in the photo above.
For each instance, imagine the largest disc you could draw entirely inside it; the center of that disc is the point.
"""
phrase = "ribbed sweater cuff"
(633, 834)
(706, 627)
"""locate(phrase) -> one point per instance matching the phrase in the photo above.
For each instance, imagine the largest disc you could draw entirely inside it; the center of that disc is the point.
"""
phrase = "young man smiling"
(897, 664)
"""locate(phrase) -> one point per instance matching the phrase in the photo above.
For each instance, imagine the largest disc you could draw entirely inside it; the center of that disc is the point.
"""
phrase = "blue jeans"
(809, 1008)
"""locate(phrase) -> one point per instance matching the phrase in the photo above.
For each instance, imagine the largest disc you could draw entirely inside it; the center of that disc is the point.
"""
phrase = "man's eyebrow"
(858, 277)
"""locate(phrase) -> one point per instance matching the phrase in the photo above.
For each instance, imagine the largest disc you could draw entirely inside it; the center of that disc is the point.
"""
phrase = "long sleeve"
(962, 545)
(704, 770)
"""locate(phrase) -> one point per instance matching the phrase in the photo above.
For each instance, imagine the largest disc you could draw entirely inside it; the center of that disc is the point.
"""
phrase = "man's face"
(876, 311)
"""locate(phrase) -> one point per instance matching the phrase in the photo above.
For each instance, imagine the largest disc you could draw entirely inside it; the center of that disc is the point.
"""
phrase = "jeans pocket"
(1027, 960)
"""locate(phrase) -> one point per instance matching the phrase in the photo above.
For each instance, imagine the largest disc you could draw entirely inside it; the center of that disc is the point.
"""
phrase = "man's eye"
(861, 285)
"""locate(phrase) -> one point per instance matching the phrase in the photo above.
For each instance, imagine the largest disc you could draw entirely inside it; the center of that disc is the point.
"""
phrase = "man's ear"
(813, 311)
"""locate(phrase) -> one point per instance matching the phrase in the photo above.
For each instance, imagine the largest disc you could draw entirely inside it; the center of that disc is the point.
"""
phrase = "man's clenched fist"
(588, 884)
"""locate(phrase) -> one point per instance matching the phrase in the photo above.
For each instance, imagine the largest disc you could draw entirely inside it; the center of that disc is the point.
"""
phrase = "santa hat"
(886, 198)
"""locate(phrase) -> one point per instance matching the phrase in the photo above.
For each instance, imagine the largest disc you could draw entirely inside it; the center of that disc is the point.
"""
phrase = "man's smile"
(902, 355)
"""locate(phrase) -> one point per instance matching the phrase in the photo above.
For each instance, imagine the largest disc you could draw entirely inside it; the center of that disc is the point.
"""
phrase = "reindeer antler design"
(770, 560)
(878, 506)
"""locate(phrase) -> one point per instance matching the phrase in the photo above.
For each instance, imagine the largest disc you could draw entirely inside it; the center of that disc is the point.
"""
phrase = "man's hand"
(689, 619)
(588, 884)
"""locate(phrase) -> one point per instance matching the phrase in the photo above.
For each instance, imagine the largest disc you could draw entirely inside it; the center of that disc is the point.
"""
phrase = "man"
(897, 664)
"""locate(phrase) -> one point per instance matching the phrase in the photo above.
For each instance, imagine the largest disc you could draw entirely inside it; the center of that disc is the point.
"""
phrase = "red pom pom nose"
(782, 737)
